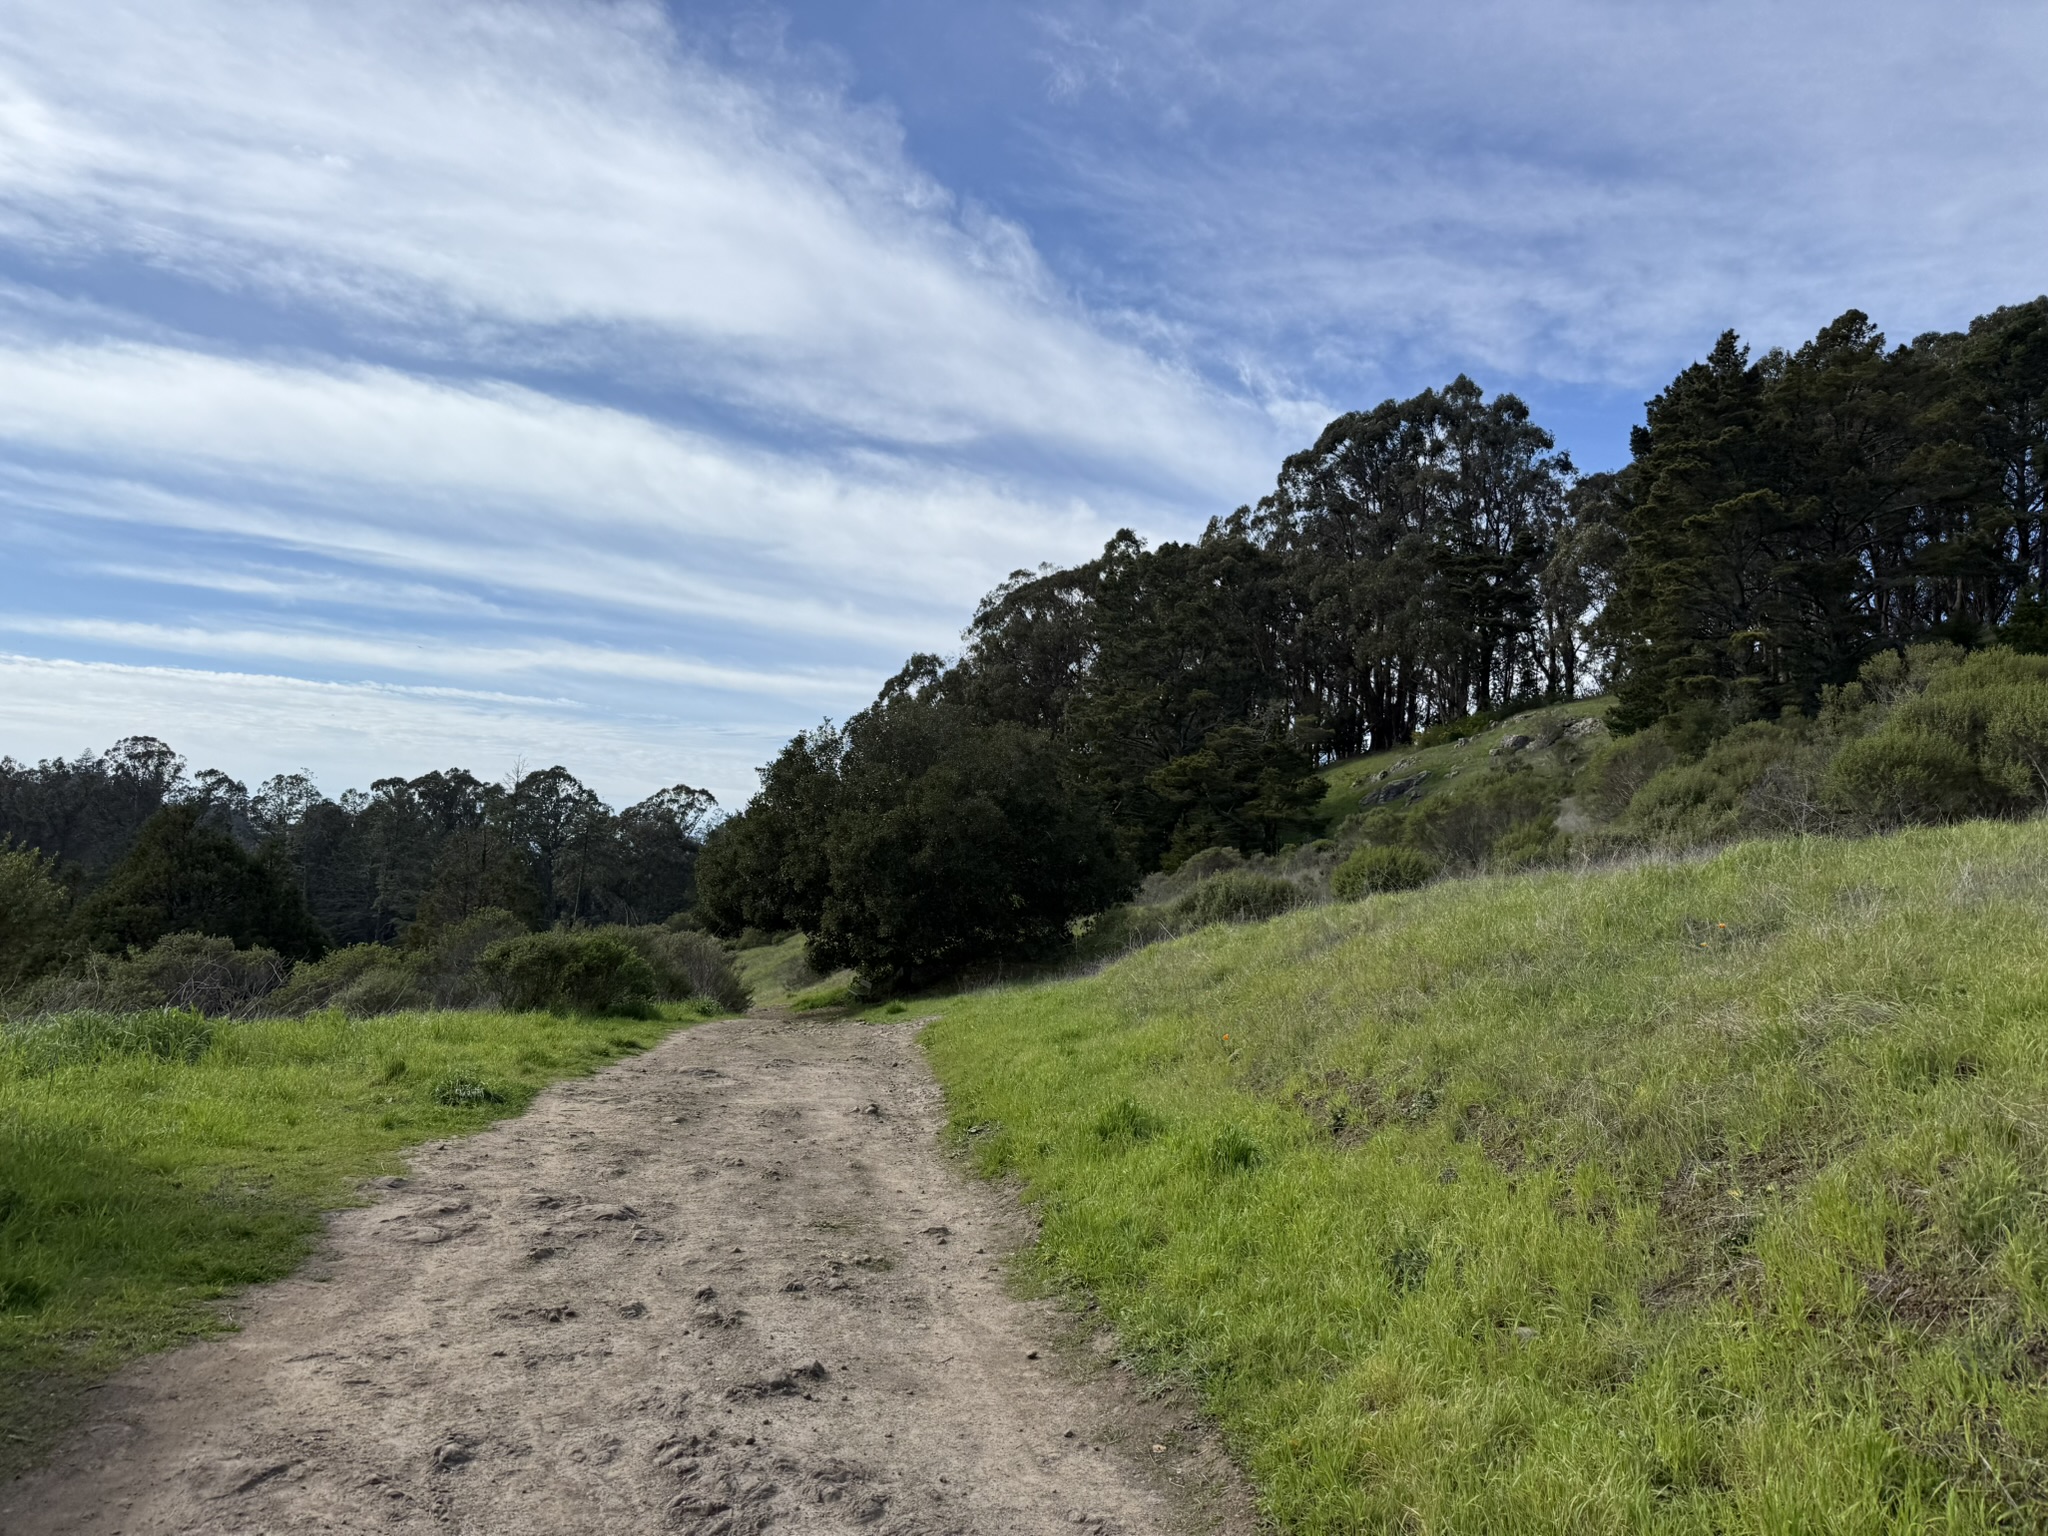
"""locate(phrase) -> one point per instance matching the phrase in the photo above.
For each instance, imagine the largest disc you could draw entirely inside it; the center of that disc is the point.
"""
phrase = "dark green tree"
(954, 842)
(767, 867)
(182, 876)
(1245, 789)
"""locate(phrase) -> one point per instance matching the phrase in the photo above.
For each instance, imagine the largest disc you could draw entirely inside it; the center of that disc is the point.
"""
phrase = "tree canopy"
(1782, 520)
(408, 857)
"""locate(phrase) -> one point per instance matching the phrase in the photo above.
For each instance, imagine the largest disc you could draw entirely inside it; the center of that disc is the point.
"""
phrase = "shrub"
(210, 975)
(1900, 776)
(1529, 844)
(1973, 738)
(89, 983)
(1210, 861)
(1371, 870)
(361, 980)
(1237, 896)
(180, 970)
(688, 963)
(1121, 929)
(1713, 800)
(1614, 773)
(568, 973)
(445, 964)
(1463, 829)
(378, 990)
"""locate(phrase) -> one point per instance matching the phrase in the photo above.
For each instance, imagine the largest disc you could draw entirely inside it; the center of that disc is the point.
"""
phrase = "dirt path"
(728, 1286)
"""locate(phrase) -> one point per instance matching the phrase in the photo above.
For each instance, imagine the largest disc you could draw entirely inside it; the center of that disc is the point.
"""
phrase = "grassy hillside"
(150, 1163)
(1431, 770)
(1694, 1197)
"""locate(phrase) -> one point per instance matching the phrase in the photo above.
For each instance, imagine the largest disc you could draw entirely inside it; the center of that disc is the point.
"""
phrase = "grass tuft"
(1126, 1120)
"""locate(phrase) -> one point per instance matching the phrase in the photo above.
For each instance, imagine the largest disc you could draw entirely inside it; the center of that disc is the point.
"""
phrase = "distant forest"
(133, 833)
(1783, 520)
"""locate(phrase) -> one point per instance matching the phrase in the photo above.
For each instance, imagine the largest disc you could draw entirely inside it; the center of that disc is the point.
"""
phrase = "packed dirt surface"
(729, 1286)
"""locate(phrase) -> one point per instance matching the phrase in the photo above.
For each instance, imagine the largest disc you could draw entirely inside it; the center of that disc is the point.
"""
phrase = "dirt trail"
(728, 1286)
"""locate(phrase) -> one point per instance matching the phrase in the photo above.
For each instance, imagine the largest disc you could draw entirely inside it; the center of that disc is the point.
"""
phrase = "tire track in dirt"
(728, 1286)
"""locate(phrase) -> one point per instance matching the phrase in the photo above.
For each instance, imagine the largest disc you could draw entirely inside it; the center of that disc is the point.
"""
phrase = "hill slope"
(1703, 1196)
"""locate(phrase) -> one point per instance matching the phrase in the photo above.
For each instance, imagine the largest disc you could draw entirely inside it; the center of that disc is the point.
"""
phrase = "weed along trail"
(729, 1286)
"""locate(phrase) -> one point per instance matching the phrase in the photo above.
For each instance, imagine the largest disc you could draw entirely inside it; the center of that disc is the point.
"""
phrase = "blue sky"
(396, 385)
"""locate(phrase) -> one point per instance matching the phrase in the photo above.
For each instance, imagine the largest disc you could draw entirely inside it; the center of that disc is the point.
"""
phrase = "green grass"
(147, 1171)
(1703, 1197)
(778, 977)
(1353, 779)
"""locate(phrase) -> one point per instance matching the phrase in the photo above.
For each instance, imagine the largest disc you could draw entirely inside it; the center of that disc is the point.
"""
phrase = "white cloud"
(560, 180)
(508, 487)
(1582, 190)
(434, 656)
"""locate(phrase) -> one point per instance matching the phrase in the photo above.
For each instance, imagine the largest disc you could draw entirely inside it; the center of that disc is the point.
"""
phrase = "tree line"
(1783, 520)
(145, 848)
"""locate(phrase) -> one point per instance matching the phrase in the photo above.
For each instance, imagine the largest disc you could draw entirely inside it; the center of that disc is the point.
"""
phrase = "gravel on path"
(728, 1286)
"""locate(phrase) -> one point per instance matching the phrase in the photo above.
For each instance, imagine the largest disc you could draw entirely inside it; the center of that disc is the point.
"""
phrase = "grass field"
(150, 1165)
(1698, 1197)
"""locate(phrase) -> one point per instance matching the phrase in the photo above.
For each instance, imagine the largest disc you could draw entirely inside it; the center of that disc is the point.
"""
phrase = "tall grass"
(151, 1163)
(1690, 1197)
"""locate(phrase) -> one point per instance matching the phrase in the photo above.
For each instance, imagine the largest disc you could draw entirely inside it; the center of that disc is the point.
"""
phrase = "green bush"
(88, 983)
(1122, 929)
(347, 979)
(194, 970)
(1463, 829)
(688, 963)
(32, 913)
(1371, 870)
(1972, 739)
(180, 970)
(569, 973)
(1898, 776)
(1619, 769)
(1715, 799)
(445, 959)
(1238, 896)
(1210, 861)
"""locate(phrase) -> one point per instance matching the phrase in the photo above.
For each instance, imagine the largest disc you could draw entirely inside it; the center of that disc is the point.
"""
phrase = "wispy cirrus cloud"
(1578, 190)
(557, 183)
(526, 328)
(519, 486)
